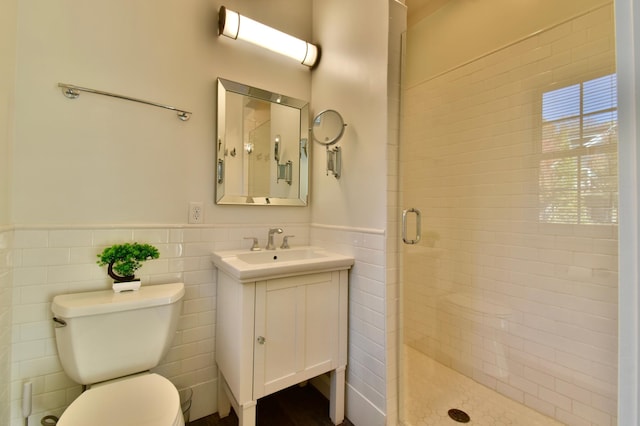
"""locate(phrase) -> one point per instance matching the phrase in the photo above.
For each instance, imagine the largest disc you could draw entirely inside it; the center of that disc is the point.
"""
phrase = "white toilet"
(109, 341)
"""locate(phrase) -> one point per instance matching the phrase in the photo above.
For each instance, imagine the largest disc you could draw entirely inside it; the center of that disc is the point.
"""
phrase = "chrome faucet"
(285, 241)
(270, 244)
(254, 245)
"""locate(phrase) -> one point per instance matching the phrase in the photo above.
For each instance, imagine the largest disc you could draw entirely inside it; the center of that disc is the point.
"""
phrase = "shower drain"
(459, 415)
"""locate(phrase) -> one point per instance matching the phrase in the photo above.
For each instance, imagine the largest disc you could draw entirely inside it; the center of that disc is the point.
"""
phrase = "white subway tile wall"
(366, 365)
(47, 262)
(6, 297)
(526, 308)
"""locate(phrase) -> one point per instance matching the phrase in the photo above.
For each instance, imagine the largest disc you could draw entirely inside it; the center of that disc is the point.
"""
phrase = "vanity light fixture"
(239, 27)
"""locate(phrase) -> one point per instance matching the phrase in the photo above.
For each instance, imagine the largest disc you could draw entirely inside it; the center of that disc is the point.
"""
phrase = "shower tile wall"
(526, 308)
(62, 260)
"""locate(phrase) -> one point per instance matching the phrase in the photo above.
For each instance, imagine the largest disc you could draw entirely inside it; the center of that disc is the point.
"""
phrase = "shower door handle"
(418, 226)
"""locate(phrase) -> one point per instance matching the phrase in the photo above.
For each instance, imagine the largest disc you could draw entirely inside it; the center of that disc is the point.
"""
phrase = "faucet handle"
(255, 246)
(285, 241)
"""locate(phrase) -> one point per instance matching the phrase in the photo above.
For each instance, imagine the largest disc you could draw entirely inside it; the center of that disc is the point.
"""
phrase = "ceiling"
(418, 9)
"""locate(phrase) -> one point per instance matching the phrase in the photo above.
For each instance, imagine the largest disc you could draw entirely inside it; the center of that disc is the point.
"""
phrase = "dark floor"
(295, 406)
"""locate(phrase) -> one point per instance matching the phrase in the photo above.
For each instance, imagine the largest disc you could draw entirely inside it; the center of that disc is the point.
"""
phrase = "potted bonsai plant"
(123, 260)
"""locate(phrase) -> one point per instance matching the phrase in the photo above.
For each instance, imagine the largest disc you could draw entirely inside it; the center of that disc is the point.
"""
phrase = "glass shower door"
(509, 296)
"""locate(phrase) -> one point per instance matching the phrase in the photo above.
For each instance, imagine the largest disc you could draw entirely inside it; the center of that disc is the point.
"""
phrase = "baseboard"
(358, 409)
(204, 402)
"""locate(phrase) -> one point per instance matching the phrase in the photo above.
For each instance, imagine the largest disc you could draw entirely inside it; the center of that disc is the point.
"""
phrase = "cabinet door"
(297, 330)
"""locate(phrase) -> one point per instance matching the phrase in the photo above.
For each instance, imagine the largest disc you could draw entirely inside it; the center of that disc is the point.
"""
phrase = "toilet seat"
(144, 400)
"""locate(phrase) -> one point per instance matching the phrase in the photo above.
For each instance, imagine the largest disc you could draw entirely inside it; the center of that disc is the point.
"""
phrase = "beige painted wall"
(352, 79)
(8, 12)
(463, 30)
(7, 66)
(104, 160)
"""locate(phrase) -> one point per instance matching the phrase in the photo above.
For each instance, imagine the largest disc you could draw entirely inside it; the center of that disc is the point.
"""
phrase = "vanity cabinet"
(277, 332)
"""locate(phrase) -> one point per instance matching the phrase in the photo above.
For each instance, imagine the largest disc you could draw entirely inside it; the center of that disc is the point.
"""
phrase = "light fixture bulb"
(239, 27)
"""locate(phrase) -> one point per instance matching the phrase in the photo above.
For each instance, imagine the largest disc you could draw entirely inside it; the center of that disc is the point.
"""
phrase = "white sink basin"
(247, 265)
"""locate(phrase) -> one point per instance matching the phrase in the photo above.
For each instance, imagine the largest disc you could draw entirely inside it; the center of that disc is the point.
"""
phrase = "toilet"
(109, 341)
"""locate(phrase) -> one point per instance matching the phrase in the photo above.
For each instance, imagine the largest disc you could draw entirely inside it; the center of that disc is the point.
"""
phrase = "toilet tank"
(102, 335)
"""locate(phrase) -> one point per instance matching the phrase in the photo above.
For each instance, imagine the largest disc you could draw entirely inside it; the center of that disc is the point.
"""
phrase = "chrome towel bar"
(72, 92)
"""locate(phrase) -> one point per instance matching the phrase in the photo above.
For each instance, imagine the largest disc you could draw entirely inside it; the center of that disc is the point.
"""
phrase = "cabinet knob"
(261, 340)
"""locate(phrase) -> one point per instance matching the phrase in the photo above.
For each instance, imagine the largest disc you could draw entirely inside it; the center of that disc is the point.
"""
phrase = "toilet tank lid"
(107, 301)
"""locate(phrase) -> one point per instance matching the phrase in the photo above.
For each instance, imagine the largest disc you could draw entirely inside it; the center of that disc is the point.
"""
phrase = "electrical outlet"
(196, 212)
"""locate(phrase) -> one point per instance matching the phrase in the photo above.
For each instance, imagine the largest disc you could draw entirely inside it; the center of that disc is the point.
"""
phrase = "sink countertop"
(248, 266)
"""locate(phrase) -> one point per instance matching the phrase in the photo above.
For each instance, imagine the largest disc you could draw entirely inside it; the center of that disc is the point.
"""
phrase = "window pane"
(558, 196)
(561, 135)
(561, 103)
(599, 188)
(600, 129)
(600, 94)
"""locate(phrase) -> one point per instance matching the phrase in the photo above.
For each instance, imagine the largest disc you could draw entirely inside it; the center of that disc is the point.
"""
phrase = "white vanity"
(281, 320)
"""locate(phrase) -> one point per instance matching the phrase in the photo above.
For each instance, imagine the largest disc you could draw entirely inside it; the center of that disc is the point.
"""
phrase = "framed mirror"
(262, 147)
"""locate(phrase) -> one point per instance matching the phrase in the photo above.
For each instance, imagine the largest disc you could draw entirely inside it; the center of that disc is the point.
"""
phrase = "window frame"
(578, 152)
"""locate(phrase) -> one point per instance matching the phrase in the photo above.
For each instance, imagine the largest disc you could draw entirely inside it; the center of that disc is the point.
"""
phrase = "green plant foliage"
(125, 259)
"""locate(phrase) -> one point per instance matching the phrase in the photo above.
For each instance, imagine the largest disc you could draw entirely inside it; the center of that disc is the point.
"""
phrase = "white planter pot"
(119, 287)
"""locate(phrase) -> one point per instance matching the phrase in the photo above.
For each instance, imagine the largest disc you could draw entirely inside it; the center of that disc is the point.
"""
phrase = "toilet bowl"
(109, 341)
(143, 400)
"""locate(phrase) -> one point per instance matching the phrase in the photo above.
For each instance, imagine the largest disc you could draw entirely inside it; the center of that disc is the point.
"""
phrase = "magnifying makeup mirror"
(328, 128)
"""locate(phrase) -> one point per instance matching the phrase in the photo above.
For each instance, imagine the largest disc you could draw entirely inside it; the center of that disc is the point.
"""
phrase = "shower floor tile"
(434, 389)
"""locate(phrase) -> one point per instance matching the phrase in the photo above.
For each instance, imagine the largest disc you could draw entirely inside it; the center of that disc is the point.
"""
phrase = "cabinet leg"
(224, 405)
(247, 414)
(336, 398)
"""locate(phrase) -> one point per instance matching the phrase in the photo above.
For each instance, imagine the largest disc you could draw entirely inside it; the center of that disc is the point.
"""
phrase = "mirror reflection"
(262, 147)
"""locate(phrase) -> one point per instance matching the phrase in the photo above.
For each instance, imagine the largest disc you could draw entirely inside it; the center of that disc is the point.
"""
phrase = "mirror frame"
(221, 197)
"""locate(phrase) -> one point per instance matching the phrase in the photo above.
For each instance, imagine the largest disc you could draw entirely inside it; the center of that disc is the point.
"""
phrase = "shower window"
(578, 164)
